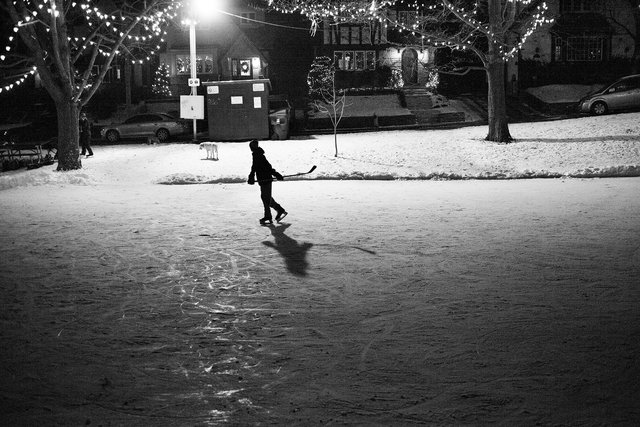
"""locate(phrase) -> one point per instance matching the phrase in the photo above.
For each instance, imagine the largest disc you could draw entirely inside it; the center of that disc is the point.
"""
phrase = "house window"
(352, 34)
(204, 64)
(358, 60)
(408, 18)
(346, 34)
(370, 60)
(585, 48)
(579, 6)
(242, 68)
(557, 49)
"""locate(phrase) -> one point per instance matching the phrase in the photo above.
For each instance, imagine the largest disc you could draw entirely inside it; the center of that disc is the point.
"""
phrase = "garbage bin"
(279, 126)
(279, 118)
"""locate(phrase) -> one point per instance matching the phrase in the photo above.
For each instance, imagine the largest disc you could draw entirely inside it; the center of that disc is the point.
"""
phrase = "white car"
(160, 125)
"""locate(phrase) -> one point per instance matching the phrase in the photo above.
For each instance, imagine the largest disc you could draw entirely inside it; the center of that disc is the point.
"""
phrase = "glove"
(251, 180)
(278, 176)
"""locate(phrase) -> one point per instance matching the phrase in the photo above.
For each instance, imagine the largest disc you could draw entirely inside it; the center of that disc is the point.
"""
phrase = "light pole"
(194, 71)
(192, 106)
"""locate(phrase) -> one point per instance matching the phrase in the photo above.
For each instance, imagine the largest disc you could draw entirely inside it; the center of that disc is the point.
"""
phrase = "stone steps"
(427, 107)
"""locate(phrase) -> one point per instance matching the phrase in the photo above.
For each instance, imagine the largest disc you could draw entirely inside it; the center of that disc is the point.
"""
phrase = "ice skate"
(281, 215)
(266, 221)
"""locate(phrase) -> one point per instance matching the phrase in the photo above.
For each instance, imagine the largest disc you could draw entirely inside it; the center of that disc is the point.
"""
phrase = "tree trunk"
(68, 136)
(497, 104)
(495, 64)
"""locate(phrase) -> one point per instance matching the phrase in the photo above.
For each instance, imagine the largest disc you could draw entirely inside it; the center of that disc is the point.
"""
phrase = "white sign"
(236, 100)
(257, 102)
(213, 90)
(194, 82)
(192, 107)
(258, 87)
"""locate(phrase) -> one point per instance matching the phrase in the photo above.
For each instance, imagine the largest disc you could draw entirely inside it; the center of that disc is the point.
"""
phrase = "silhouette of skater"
(294, 254)
(262, 169)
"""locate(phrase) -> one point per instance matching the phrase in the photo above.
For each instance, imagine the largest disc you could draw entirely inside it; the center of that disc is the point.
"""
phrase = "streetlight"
(192, 107)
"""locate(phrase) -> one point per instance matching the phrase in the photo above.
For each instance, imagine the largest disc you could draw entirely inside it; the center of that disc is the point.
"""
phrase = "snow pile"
(584, 147)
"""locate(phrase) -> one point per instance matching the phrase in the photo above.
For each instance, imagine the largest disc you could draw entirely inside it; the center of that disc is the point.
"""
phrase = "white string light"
(142, 46)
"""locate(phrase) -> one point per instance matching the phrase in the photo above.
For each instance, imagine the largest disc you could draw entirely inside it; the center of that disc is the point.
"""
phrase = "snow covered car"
(163, 126)
(623, 94)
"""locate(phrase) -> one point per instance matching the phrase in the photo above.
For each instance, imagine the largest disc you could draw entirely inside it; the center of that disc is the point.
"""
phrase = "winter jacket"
(261, 168)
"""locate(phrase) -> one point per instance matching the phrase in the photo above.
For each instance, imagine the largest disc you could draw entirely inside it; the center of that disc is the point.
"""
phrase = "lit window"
(243, 68)
(204, 64)
(358, 60)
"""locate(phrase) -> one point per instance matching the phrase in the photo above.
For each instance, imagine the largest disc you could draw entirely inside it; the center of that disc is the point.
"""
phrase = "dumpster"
(238, 110)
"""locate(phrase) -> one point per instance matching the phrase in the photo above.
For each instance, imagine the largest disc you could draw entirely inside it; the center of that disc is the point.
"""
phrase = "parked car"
(160, 125)
(280, 116)
(34, 125)
(623, 94)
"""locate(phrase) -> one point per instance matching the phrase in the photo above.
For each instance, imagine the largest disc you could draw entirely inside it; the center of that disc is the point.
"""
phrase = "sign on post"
(192, 107)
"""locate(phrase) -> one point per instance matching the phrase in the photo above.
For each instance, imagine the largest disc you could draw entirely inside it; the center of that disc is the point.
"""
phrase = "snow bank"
(585, 147)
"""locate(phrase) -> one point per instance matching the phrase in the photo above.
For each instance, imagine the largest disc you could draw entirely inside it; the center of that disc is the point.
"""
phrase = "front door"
(410, 66)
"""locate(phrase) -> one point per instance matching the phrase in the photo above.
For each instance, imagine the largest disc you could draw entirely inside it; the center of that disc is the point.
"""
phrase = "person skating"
(85, 135)
(262, 170)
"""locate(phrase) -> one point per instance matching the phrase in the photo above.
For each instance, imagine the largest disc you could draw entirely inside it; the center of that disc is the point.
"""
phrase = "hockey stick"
(288, 176)
(301, 173)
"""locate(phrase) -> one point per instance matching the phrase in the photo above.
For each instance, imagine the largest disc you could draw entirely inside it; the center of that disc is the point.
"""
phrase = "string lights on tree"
(71, 45)
(492, 30)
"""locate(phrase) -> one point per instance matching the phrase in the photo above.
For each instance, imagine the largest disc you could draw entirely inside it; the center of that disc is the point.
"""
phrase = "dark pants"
(267, 200)
(85, 143)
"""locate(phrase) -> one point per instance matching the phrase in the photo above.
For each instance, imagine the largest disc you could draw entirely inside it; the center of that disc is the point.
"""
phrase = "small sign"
(194, 82)
(236, 100)
(257, 102)
(192, 107)
(258, 87)
(213, 90)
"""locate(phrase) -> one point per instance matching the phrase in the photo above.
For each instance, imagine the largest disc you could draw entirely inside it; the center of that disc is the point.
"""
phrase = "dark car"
(161, 125)
(623, 94)
(36, 125)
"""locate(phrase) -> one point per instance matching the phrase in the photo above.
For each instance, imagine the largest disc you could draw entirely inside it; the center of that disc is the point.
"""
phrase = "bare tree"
(322, 89)
(63, 40)
(332, 104)
(493, 30)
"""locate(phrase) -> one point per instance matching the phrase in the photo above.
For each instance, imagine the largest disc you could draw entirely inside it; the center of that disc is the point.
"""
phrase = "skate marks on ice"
(132, 325)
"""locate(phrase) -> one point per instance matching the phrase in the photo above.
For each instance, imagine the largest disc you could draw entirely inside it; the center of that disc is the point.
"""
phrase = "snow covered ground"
(428, 299)
(582, 147)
